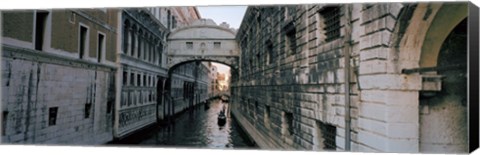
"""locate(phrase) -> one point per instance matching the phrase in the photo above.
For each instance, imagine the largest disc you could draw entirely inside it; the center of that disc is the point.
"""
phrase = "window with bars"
(216, 45)
(52, 116)
(331, 19)
(189, 45)
(328, 134)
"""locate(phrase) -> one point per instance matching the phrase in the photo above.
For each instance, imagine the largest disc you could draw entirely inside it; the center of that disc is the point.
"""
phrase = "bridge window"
(216, 45)
(52, 116)
(331, 19)
(189, 45)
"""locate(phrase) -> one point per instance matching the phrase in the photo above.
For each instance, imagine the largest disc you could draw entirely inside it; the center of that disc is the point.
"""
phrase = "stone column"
(388, 113)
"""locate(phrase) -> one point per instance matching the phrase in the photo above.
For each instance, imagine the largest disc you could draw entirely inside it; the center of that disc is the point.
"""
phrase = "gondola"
(222, 119)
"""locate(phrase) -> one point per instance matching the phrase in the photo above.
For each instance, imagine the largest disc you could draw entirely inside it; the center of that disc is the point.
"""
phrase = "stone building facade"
(395, 61)
(91, 76)
(146, 96)
(58, 75)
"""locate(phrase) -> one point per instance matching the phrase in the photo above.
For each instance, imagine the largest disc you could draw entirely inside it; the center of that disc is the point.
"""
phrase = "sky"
(233, 15)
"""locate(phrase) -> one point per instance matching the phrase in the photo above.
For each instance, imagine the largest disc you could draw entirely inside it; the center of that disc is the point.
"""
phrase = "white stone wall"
(31, 86)
(309, 82)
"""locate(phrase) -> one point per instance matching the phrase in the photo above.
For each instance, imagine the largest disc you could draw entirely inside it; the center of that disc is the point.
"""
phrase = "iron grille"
(328, 134)
(331, 16)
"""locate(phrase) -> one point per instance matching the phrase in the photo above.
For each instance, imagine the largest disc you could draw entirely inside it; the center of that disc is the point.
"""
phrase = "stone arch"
(232, 66)
(421, 47)
(196, 43)
(429, 26)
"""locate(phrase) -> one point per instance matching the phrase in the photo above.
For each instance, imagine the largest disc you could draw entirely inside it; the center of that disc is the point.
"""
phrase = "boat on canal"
(222, 119)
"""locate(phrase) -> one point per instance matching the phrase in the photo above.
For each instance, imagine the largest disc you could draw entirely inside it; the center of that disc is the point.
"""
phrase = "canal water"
(196, 128)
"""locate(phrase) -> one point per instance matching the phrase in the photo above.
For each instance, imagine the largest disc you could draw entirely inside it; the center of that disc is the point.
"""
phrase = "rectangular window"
(331, 19)
(52, 116)
(328, 133)
(291, 41)
(109, 107)
(100, 47)
(216, 45)
(269, 53)
(83, 41)
(139, 80)
(40, 28)
(150, 81)
(125, 77)
(4, 122)
(88, 106)
(189, 45)
(288, 118)
(144, 80)
(132, 79)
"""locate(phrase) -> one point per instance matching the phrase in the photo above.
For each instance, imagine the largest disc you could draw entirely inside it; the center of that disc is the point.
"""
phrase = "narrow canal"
(195, 128)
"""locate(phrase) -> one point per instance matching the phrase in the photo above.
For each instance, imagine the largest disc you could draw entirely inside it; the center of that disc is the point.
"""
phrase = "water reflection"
(198, 128)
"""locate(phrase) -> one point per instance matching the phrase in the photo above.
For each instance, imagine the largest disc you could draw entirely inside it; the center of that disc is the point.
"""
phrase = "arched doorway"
(443, 115)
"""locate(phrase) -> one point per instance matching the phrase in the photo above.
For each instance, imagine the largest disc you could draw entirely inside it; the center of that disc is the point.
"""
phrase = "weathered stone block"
(377, 39)
(378, 142)
(390, 81)
(402, 145)
(384, 23)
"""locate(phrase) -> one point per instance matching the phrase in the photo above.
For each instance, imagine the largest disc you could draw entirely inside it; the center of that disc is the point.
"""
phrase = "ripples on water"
(198, 128)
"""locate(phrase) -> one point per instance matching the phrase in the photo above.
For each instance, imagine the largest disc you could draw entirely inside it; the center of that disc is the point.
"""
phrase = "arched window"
(133, 38)
(140, 44)
(126, 27)
(169, 20)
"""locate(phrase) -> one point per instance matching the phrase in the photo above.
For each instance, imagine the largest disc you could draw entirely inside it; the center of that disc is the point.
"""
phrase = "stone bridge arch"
(203, 40)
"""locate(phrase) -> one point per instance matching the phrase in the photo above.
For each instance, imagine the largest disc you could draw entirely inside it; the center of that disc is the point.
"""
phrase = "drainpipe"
(347, 49)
